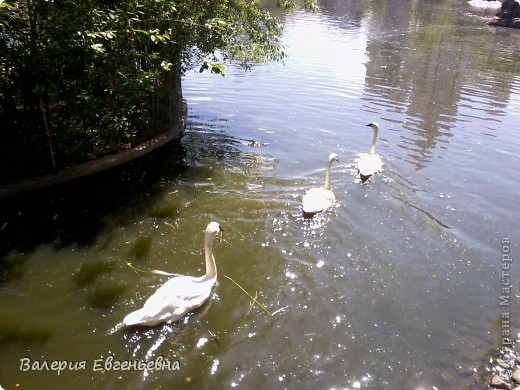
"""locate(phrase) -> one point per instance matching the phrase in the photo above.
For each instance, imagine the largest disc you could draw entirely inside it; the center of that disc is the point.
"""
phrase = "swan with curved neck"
(370, 163)
(181, 294)
(320, 199)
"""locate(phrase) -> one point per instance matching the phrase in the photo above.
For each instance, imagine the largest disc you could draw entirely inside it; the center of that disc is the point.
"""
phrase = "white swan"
(180, 294)
(370, 163)
(320, 199)
(486, 4)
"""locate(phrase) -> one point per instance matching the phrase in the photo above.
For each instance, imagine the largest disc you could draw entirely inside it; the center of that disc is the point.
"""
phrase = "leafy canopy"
(82, 78)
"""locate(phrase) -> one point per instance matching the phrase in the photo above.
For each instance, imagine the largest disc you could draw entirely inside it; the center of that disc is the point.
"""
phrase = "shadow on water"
(74, 212)
(73, 240)
(77, 212)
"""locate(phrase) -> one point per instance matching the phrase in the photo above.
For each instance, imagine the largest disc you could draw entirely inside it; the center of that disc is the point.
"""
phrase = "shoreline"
(100, 164)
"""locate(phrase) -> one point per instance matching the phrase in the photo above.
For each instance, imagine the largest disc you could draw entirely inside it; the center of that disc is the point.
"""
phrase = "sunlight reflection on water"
(393, 287)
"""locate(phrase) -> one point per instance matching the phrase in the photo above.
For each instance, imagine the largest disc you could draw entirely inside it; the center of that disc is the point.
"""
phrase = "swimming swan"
(370, 163)
(486, 4)
(320, 199)
(180, 294)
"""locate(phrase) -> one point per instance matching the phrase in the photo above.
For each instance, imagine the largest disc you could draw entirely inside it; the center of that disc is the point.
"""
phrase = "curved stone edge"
(100, 164)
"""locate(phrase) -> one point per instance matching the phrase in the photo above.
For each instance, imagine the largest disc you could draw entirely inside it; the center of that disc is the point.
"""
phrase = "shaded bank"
(100, 164)
(81, 80)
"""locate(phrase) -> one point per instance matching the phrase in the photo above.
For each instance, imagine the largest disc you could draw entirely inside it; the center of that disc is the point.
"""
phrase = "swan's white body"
(484, 4)
(320, 199)
(181, 294)
(370, 163)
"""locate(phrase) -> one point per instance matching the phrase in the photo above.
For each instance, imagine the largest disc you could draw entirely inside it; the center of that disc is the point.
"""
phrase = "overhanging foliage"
(83, 78)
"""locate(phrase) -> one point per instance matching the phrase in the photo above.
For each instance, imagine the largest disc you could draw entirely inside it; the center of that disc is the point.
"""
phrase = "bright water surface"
(396, 287)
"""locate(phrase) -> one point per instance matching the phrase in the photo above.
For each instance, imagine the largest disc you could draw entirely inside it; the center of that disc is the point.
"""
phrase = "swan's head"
(333, 157)
(373, 125)
(214, 228)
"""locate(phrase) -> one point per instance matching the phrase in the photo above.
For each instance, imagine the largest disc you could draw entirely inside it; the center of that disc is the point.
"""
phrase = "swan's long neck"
(211, 267)
(327, 176)
(372, 149)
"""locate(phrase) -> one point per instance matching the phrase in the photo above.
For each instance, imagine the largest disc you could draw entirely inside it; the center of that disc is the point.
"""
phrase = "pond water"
(396, 287)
